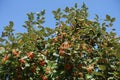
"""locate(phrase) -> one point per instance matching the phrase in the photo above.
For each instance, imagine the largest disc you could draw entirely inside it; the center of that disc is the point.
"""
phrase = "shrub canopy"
(77, 49)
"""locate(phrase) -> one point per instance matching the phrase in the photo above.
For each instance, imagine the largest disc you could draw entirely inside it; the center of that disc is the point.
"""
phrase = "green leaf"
(96, 17)
(110, 78)
(2, 40)
(102, 67)
(11, 23)
(66, 9)
(54, 12)
(30, 16)
(110, 24)
(113, 29)
(2, 50)
(98, 74)
(76, 5)
(10, 37)
(41, 21)
(113, 19)
(88, 76)
(104, 28)
(118, 55)
(108, 18)
(58, 10)
(42, 12)
(57, 17)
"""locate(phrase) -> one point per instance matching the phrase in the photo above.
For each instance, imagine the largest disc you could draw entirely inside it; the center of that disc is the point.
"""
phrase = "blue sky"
(16, 10)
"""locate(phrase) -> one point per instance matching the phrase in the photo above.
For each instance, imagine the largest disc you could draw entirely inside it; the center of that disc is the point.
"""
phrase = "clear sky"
(15, 10)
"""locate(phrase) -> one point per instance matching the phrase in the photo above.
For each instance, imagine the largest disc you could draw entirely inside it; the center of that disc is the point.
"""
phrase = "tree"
(77, 49)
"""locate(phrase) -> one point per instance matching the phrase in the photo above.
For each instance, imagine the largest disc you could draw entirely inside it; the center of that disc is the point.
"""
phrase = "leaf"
(30, 16)
(54, 12)
(42, 12)
(98, 74)
(108, 17)
(103, 24)
(58, 10)
(113, 19)
(102, 67)
(57, 17)
(41, 21)
(113, 29)
(76, 5)
(104, 28)
(88, 76)
(10, 37)
(110, 78)
(11, 23)
(118, 55)
(2, 40)
(110, 24)
(2, 50)
(96, 17)
(66, 9)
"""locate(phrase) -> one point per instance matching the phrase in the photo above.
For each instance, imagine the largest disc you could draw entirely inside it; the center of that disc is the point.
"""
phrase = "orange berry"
(44, 78)
(83, 45)
(76, 74)
(67, 66)
(48, 70)
(81, 74)
(30, 55)
(65, 45)
(42, 62)
(45, 52)
(60, 36)
(89, 50)
(118, 63)
(33, 70)
(6, 57)
(73, 38)
(1, 48)
(15, 52)
(61, 52)
(55, 39)
(90, 68)
(22, 61)
(80, 65)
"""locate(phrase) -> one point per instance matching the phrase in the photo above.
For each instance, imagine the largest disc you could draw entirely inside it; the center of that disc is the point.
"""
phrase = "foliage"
(77, 49)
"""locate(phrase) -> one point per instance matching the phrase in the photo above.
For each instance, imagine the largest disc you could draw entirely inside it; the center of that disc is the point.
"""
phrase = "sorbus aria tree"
(77, 49)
